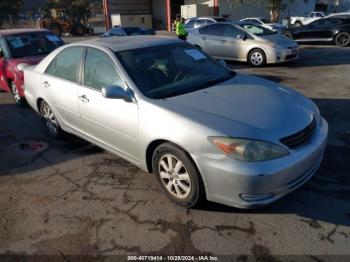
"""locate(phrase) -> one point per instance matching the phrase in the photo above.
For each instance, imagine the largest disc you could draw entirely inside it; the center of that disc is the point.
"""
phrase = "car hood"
(279, 39)
(246, 105)
(27, 60)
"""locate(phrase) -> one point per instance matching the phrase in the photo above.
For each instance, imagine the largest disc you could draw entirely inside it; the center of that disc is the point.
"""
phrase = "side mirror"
(117, 92)
(242, 36)
(223, 63)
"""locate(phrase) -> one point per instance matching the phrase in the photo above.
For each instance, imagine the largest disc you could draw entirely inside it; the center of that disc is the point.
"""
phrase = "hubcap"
(256, 58)
(15, 93)
(174, 176)
(343, 39)
(50, 120)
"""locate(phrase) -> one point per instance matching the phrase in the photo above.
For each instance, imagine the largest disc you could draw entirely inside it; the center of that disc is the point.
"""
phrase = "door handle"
(84, 99)
(204, 38)
(223, 41)
(46, 84)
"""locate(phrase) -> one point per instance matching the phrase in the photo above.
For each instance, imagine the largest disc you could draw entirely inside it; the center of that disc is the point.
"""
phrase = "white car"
(302, 20)
(345, 15)
(276, 27)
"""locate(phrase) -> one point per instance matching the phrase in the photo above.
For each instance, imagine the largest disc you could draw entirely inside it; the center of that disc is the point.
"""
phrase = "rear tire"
(178, 175)
(342, 39)
(50, 122)
(257, 57)
(20, 101)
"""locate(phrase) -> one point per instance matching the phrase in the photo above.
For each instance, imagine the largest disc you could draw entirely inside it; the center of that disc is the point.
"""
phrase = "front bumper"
(281, 55)
(255, 184)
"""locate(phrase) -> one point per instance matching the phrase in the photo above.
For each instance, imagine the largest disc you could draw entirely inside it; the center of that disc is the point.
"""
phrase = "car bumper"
(278, 55)
(255, 184)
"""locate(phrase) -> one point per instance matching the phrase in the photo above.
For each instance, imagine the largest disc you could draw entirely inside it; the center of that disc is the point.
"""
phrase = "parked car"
(127, 31)
(343, 15)
(20, 48)
(149, 100)
(304, 20)
(195, 22)
(330, 30)
(250, 43)
(264, 22)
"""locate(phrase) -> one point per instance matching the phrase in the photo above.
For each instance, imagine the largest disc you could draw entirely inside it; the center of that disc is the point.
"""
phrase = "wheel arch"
(38, 103)
(256, 48)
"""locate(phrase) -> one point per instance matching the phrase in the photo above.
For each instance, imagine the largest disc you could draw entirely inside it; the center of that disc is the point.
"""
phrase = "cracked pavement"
(72, 198)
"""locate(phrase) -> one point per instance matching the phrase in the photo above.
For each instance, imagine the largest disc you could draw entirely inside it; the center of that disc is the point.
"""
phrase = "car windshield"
(135, 31)
(166, 71)
(32, 44)
(265, 21)
(257, 30)
(219, 19)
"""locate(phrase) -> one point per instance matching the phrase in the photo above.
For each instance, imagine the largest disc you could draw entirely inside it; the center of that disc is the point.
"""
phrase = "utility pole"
(107, 15)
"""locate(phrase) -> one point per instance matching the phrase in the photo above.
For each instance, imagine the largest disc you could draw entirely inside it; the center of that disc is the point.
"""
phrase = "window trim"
(82, 71)
(80, 65)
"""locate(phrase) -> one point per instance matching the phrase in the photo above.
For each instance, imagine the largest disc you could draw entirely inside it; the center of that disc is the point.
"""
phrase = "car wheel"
(342, 39)
(257, 57)
(298, 23)
(50, 121)
(178, 175)
(20, 101)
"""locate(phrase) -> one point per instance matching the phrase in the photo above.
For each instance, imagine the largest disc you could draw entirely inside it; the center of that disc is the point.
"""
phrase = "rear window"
(220, 19)
(32, 44)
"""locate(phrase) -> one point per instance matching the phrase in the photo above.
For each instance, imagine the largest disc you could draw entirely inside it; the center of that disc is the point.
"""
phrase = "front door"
(232, 43)
(211, 39)
(111, 122)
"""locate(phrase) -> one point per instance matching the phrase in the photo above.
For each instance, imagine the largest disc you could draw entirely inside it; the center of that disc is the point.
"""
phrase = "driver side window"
(100, 71)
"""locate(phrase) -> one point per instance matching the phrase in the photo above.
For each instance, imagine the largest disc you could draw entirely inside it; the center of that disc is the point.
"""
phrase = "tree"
(9, 9)
(274, 6)
(80, 9)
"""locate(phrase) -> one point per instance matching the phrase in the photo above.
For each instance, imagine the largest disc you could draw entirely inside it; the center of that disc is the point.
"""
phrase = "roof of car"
(8, 32)
(123, 43)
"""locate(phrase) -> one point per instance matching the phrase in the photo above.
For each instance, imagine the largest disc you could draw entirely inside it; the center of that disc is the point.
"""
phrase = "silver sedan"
(170, 109)
(245, 42)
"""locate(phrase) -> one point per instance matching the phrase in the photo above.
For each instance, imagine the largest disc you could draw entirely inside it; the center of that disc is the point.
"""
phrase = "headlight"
(275, 45)
(248, 150)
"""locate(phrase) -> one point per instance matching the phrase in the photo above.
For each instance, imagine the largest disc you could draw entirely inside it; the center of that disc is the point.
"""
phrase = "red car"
(18, 49)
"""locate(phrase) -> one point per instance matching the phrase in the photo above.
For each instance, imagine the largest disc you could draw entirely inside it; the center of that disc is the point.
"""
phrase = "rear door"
(60, 84)
(111, 122)
(211, 39)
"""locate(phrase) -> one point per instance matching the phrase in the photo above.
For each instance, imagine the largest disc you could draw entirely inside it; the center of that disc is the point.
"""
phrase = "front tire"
(50, 121)
(178, 175)
(20, 101)
(342, 39)
(257, 58)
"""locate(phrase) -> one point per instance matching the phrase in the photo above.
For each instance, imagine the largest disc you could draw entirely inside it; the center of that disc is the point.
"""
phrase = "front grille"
(300, 137)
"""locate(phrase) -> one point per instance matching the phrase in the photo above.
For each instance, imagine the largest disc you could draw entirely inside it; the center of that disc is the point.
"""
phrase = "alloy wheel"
(15, 93)
(174, 176)
(50, 120)
(257, 58)
(342, 39)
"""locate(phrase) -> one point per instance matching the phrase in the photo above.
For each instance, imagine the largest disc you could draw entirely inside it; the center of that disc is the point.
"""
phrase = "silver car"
(250, 43)
(170, 109)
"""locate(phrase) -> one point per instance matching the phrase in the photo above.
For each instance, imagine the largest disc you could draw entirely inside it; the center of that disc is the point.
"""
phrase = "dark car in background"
(332, 30)
(127, 31)
(21, 48)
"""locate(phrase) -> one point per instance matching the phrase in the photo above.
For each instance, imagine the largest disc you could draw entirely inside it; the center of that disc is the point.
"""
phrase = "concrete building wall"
(209, 3)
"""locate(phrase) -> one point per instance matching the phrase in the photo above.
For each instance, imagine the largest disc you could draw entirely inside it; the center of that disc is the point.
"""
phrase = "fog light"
(256, 197)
